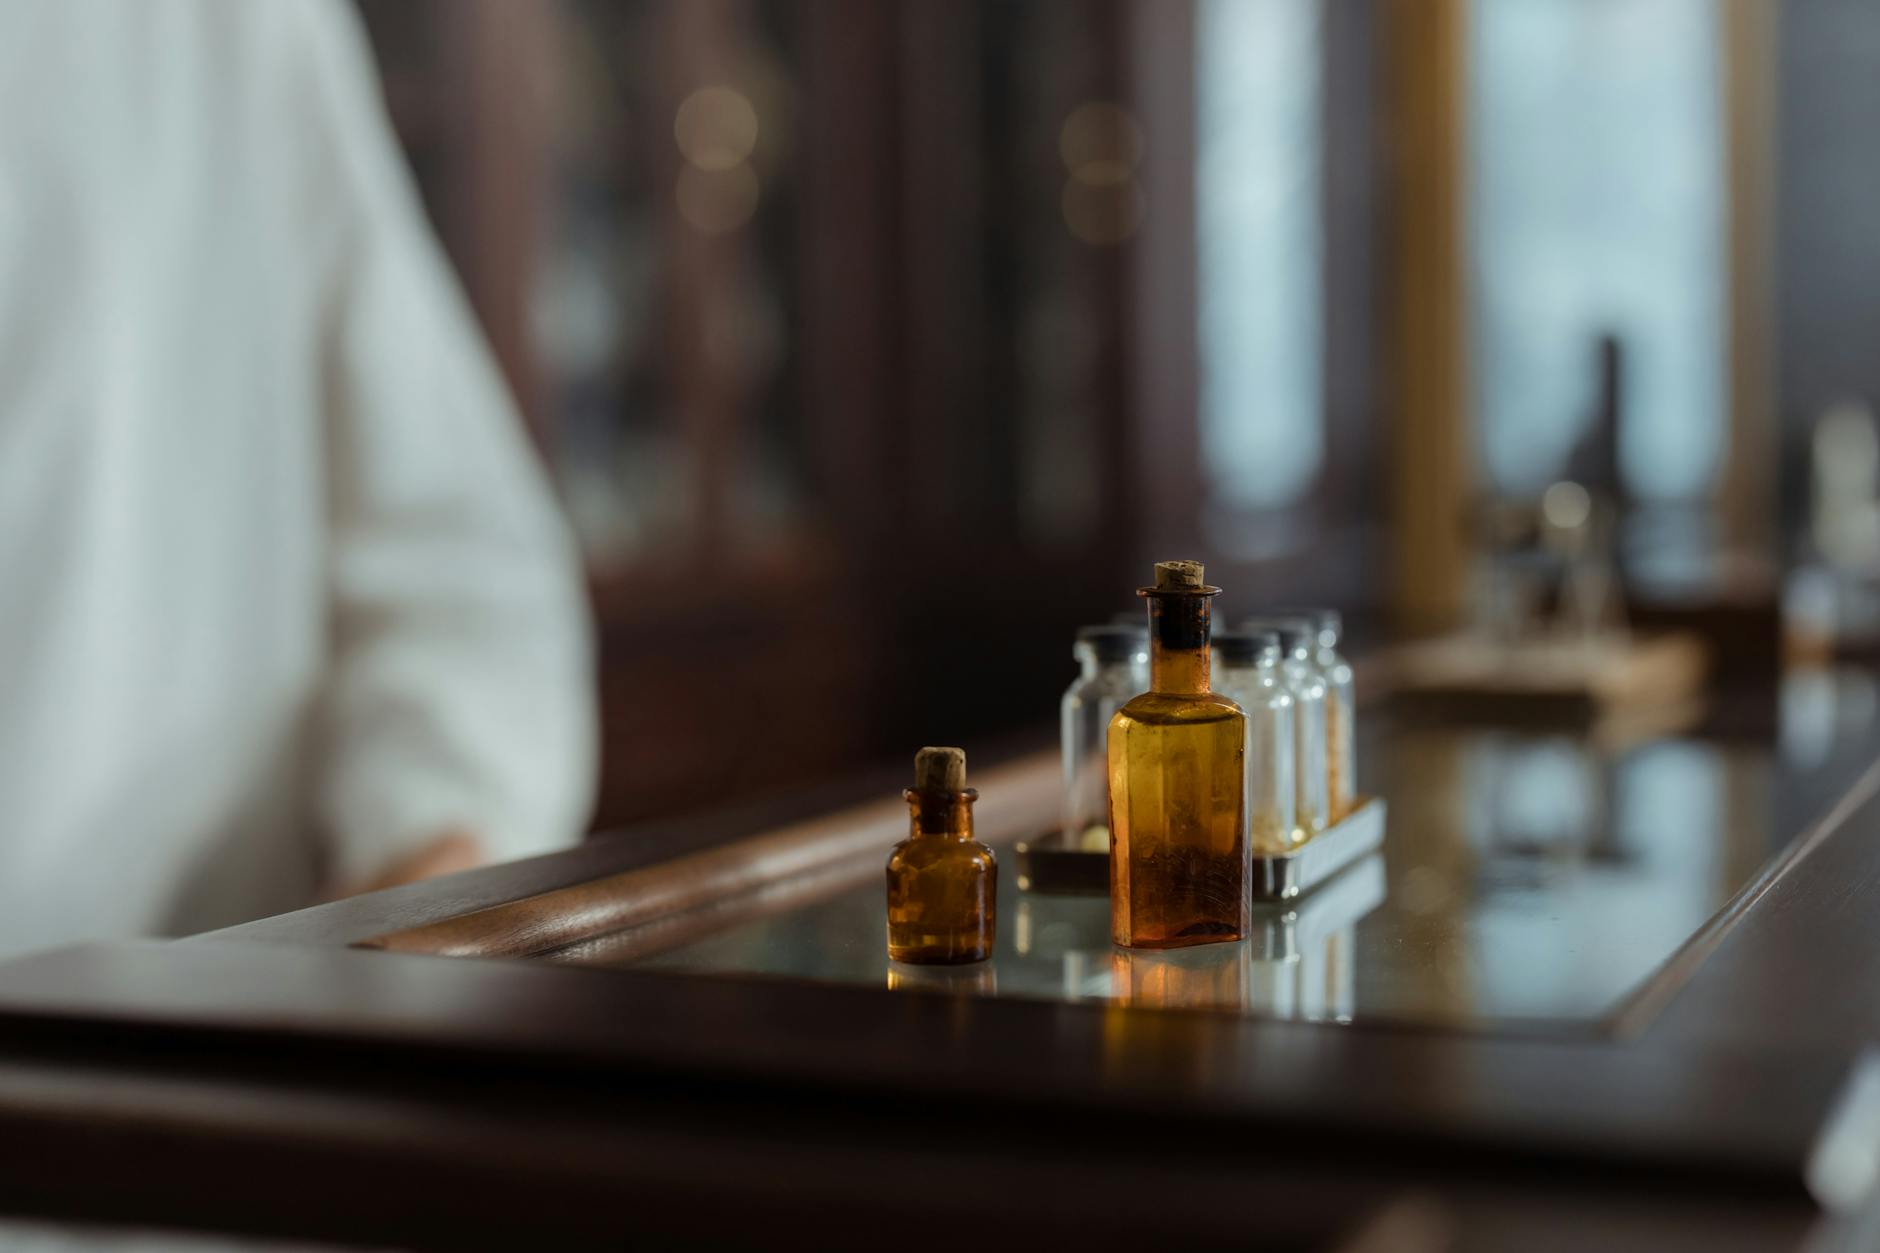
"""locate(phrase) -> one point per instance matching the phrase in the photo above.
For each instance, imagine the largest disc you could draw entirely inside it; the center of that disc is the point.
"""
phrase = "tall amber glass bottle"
(1178, 841)
(942, 883)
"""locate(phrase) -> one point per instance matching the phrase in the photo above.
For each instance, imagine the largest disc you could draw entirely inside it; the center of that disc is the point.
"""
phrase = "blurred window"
(1259, 135)
(1597, 207)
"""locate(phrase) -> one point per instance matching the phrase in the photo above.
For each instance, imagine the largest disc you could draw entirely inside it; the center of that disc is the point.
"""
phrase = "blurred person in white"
(286, 608)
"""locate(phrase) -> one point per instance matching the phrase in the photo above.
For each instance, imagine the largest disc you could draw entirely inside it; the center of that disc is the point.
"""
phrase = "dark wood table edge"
(1626, 1114)
(1640, 1008)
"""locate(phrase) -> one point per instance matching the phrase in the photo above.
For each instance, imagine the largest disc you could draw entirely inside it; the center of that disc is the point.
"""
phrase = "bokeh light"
(1103, 214)
(1101, 145)
(1100, 137)
(717, 201)
(716, 128)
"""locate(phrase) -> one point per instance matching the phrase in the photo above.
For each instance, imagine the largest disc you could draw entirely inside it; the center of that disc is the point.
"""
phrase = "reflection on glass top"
(1523, 879)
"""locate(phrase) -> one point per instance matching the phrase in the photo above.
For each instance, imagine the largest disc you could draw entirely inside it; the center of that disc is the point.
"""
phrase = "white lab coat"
(283, 594)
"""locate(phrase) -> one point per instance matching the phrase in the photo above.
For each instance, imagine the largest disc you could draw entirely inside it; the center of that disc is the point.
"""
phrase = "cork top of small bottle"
(1179, 578)
(940, 770)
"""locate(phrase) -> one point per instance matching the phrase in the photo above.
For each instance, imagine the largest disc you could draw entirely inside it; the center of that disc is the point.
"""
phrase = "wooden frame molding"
(835, 853)
(1746, 494)
(1426, 77)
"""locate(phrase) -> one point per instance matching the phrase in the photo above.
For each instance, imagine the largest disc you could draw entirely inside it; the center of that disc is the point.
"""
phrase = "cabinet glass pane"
(1260, 249)
(1597, 207)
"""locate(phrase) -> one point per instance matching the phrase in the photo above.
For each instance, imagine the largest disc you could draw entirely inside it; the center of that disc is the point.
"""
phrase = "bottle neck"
(1178, 644)
(941, 813)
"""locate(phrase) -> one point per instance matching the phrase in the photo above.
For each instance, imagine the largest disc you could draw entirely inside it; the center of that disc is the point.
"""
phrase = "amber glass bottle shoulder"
(931, 849)
(1162, 707)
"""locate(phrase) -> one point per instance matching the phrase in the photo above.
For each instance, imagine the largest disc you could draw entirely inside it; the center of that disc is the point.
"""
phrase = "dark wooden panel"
(443, 1161)
(1597, 1110)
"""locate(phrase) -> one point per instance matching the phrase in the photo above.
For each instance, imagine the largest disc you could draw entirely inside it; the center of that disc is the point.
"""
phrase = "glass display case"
(1527, 883)
(1580, 984)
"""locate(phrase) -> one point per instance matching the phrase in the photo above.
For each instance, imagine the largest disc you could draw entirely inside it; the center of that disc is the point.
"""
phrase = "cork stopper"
(1178, 578)
(940, 770)
(1178, 575)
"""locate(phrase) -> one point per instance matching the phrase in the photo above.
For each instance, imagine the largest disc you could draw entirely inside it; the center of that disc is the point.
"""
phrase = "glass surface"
(595, 305)
(1526, 881)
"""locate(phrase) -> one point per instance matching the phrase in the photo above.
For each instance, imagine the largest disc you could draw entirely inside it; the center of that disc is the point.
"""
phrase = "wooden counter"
(329, 1074)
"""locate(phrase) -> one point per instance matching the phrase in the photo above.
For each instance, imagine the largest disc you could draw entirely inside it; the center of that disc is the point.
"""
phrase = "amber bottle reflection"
(942, 884)
(960, 979)
(1207, 978)
(1178, 847)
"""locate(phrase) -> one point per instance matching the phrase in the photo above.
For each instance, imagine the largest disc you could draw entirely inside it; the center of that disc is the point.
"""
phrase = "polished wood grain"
(838, 851)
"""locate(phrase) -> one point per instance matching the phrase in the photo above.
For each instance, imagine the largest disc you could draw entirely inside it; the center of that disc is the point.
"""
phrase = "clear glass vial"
(1341, 715)
(1299, 673)
(1246, 668)
(1178, 845)
(942, 883)
(1114, 666)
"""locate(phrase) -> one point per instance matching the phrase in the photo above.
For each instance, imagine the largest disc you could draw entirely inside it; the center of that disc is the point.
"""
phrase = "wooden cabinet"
(886, 349)
(787, 295)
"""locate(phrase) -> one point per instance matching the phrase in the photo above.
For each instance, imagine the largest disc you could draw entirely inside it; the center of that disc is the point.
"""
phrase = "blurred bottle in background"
(1114, 666)
(1341, 714)
(1247, 670)
(1298, 671)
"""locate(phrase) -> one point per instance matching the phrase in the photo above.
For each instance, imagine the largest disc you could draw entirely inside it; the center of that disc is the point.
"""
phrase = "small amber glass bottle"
(1178, 840)
(942, 884)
